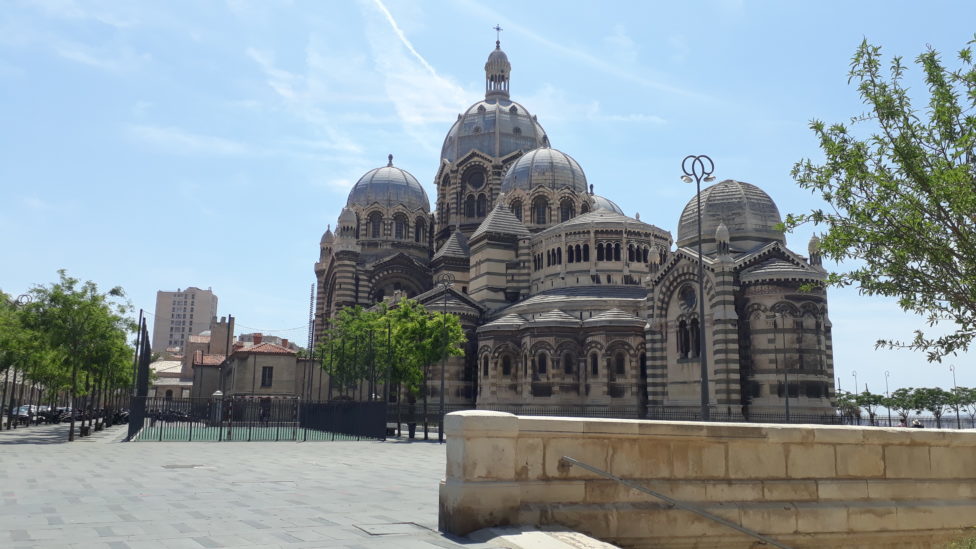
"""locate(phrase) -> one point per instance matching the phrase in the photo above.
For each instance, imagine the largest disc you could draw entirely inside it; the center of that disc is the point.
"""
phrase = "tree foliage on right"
(902, 192)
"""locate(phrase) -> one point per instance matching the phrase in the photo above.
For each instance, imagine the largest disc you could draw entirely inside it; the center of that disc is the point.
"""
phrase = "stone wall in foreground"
(803, 485)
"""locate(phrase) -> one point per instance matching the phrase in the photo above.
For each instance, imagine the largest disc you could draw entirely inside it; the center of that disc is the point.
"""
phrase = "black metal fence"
(402, 413)
(254, 419)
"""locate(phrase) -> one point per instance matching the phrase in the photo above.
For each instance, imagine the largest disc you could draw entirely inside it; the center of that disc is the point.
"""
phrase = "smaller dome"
(814, 246)
(603, 203)
(545, 167)
(722, 233)
(347, 218)
(389, 186)
(497, 61)
(327, 237)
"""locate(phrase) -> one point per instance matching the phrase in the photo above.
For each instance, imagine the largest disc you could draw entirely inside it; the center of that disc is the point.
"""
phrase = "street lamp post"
(697, 168)
(955, 395)
(445, 280)
(888, 397)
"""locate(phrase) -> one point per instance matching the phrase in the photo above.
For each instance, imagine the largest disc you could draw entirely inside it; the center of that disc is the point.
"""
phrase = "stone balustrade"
(803, 485)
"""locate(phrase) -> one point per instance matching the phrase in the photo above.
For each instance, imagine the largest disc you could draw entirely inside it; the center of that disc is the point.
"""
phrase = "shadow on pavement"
(39, 434)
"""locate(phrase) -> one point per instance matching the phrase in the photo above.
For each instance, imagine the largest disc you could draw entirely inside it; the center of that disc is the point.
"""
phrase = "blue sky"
(159, 145)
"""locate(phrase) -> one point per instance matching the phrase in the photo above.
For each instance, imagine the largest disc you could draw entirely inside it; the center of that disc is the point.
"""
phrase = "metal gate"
(254, 418)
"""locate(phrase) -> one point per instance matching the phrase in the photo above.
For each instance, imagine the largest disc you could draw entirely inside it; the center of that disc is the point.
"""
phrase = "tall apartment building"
(181, 314)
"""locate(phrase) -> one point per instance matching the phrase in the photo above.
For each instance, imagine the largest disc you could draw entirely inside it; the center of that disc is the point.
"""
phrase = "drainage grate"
(392, 528)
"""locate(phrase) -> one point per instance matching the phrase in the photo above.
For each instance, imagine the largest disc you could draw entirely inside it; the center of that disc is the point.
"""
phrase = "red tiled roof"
(267, 349)
(207, 360)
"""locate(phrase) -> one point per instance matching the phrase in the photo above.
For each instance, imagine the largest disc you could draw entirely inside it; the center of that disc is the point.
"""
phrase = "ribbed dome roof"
(495, 126)
(389, 186)
(748, 212)
(604, 203)
(546, 167)
(498, 62)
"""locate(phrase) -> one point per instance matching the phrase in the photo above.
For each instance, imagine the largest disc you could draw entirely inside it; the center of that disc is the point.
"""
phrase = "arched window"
(469, 206)
(559, 256)
(516, 207)
(506, 365)
(645, 254)
(566, 210)
(616, 252)
(540, 209)
(578, 256)
(567, 363)
(594, 365)
(484, 366)
(683, 339)
(695, 334)
(548, 258)
(541, 365)
(569, 255)
(375, 225)
(169, 394)
(586, 252)
(419, 230)
(357, 225)
(630, 252)
(400, 226)
(584, 208)
(599, 252)
(620, 364)
(482, 205)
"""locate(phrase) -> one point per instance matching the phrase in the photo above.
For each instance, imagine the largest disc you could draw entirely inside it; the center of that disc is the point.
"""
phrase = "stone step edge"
(529, 537)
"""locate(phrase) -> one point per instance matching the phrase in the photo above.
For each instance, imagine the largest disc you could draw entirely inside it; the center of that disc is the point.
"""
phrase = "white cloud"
(552, 104)
(599, 62)
(622, 46)
(176, 140)
(423, 99)
(101, 58)
(108, 13)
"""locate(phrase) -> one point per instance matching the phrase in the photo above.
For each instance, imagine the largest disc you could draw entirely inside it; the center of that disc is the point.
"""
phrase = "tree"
(870, 402)
(967, 401)
(398, 344)
(901, 196)
(847, 405)
(902, 402)
(934, 400)
(87, 331)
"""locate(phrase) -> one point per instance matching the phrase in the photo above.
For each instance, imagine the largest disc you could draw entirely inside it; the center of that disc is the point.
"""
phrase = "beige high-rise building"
(181, 314)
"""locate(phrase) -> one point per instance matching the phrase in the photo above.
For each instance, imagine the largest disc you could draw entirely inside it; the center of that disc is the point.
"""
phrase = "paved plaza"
(99, 493)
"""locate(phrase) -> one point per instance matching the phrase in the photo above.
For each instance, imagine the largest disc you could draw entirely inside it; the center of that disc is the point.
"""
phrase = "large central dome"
(496, 126)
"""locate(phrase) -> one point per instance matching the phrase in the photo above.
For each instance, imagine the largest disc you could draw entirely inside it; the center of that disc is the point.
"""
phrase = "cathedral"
(567, 301)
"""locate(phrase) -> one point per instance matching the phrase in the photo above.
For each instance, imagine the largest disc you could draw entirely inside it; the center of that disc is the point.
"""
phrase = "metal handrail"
(676, 503)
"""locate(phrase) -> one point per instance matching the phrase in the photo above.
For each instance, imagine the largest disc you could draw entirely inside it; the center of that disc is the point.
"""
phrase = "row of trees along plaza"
(64, 345)
(388, 352)
(897, 407)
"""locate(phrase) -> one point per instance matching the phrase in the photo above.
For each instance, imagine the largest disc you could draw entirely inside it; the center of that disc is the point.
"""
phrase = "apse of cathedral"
(567, 301)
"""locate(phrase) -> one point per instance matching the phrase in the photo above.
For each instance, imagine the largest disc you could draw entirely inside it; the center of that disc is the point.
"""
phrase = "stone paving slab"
(98, 493)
